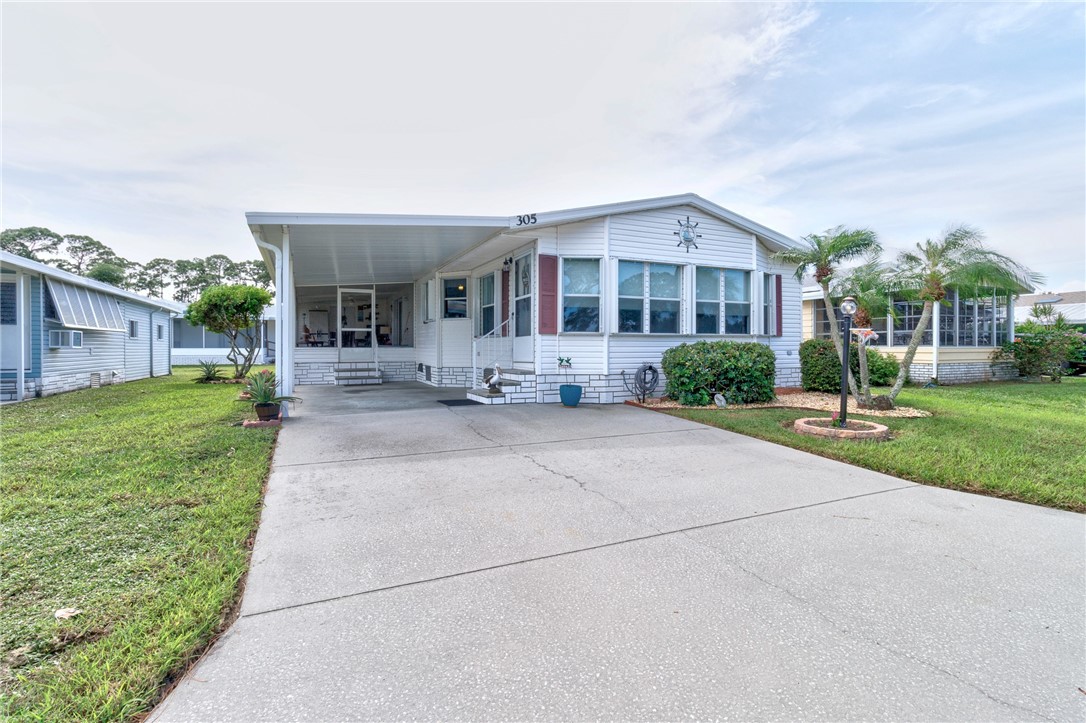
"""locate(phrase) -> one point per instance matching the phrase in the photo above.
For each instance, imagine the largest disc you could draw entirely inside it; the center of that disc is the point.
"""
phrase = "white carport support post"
(22, 323)
(289, 336)
(282, 348)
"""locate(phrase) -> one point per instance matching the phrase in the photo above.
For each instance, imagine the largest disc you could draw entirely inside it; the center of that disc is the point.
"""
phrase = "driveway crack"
(843, 630)
(585, 488)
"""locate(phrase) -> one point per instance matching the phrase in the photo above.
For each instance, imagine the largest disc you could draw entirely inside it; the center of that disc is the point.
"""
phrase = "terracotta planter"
(266, 412)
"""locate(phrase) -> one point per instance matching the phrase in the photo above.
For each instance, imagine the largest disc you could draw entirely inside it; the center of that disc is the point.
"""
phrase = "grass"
(135, 504)
(1020, 440)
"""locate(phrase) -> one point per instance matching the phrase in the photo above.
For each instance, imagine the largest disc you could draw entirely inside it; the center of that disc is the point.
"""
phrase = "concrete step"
(356, 373)
(355, 381)
(483, 395)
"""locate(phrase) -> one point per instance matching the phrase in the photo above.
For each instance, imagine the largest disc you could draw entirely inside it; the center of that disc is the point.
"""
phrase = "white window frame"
(158, 332)
(428, 294)
(769, 305)
(133, 329)
(647, 298)
(445, 299)
(722, 301)
(494, 292)
(65, 339)
(598, 296)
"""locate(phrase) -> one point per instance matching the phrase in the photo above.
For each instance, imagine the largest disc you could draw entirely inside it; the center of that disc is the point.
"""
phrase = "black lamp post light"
(848, 308)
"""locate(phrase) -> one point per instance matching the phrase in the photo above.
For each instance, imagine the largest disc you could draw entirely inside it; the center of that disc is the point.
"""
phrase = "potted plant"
(263, 394)
(569, 393)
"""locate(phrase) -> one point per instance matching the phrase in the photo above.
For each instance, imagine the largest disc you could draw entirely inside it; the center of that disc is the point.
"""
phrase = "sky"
(155, 127)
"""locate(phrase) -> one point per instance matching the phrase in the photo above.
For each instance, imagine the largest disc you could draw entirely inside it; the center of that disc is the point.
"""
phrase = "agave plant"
(209, 372)
(263, 389)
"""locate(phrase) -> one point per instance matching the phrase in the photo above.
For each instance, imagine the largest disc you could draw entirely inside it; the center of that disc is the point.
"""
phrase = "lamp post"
(848, 308)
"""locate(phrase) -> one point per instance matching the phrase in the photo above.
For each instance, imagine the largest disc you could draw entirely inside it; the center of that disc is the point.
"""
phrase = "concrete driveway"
(423, 562)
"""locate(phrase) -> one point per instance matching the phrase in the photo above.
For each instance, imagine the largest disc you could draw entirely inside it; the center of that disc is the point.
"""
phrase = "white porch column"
(286, 376)
(281, 338)
(22, 323)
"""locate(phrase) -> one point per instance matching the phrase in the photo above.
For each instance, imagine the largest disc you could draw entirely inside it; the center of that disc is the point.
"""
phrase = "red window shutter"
(778, 307)
(505, 301)
(548, 294)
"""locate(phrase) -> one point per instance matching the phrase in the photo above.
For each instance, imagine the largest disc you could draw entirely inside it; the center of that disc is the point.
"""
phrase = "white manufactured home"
(60, 331)
(441, 299)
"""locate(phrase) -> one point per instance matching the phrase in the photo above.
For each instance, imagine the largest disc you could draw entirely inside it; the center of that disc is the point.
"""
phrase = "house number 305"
(526, 220)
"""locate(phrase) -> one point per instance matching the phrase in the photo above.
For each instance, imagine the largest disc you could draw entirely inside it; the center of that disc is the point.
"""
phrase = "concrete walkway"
(423, 562)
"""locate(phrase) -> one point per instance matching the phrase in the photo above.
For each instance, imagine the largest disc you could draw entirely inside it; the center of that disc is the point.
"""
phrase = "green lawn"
(135, 504)
(1021, 440)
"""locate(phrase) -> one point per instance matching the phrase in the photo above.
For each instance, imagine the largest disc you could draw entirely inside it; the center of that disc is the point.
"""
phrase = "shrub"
(820, 367)
(1038, 350)
(742, 371)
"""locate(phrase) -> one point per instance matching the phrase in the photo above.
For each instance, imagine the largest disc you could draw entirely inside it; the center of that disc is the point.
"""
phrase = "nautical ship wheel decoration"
(687, 233)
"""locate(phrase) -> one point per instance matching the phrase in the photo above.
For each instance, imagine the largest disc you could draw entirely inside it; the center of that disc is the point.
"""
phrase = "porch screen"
(81, 308)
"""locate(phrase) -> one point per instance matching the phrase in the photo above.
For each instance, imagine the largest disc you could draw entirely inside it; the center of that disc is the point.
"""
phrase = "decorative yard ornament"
(494, 381)
(687, 234)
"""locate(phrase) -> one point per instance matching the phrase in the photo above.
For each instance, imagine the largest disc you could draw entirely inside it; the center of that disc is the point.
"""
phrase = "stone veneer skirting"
(964, 372)
(51, 384)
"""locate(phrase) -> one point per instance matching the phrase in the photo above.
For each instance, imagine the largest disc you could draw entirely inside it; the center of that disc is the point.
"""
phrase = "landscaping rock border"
(871, 430)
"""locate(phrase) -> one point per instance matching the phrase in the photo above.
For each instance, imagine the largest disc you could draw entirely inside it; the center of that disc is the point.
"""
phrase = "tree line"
(185, 279)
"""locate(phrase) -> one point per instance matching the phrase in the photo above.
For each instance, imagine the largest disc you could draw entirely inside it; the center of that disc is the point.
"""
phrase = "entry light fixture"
(507, 264)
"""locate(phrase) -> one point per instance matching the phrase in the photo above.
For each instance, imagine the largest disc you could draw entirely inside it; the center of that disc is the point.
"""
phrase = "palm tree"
(869, 285)
(823, 254)
(958, 259)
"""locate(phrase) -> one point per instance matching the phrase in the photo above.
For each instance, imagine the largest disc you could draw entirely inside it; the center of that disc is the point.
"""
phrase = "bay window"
(580, 295)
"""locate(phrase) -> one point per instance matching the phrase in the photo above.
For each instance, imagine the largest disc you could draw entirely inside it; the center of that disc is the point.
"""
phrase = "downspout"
(280, 317)
(22, 326)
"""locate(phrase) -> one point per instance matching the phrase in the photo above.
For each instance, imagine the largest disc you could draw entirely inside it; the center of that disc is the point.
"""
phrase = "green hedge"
(742, 371)
(820, 367)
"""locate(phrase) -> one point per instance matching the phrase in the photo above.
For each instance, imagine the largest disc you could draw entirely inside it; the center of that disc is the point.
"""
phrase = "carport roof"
(344, 248)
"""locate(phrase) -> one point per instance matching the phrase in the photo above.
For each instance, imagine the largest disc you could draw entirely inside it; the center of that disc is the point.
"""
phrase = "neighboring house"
(1072, 304)
(970, 330)
(193, 344)
(441, 299)
(60, 331)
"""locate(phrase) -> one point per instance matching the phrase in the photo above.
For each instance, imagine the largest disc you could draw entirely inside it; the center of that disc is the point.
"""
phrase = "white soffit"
(81, 308)
(367, 253)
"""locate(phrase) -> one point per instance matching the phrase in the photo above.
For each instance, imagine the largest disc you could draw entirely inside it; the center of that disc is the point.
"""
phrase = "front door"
(356, 339)
(522, 320)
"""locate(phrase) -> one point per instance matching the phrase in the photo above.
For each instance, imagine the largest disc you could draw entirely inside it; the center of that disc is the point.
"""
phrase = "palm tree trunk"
(835, 334)
(865, 375)
(910, 352)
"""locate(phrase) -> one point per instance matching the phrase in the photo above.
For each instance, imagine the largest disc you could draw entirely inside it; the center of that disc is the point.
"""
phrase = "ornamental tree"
(233, 311)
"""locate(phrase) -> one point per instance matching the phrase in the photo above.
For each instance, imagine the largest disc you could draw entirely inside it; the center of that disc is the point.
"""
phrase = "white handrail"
(492, 343)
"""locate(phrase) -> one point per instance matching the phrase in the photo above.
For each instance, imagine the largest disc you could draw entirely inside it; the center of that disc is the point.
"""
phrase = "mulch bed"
(797, 400)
